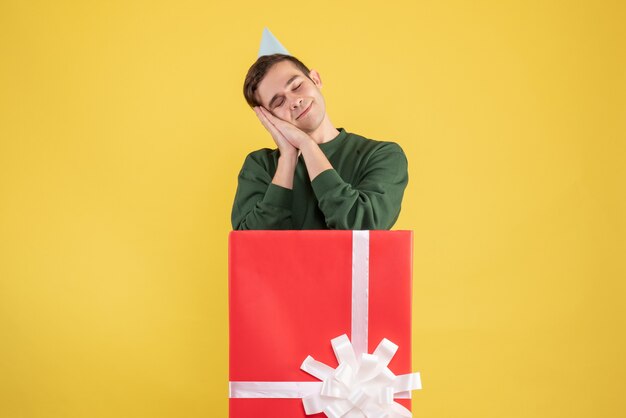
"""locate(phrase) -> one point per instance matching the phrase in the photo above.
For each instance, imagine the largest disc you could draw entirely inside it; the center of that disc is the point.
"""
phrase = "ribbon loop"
(344, 351)
(316, 368)
(385, 351)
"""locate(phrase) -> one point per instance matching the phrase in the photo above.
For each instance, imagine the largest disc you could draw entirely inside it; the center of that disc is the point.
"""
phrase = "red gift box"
(292, 292)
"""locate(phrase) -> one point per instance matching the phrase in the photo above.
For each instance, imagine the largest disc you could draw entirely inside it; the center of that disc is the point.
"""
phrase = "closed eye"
(282, 101)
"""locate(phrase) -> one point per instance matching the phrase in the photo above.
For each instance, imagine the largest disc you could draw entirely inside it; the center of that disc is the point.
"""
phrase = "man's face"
(291, 96)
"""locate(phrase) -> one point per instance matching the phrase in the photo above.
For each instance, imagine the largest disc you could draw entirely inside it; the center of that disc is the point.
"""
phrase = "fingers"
(271, 119)
(282, 126)
(264, 117)
(265, 120)
(265, 112)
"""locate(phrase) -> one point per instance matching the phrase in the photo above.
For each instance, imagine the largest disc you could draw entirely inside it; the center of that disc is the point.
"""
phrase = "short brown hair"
(259, 69)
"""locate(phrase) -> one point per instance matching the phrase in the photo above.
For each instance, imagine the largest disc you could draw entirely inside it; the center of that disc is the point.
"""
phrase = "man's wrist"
(308, 145)
(315, 159)
(285, 170)
(288, 159)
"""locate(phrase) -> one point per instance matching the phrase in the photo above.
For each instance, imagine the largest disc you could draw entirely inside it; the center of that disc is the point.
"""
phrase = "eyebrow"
(277, 95)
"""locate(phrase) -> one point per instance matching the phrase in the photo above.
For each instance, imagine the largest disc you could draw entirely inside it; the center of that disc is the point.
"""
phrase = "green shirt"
(363, 190)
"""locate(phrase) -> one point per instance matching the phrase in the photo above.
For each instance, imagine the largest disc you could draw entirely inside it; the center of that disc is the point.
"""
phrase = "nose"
(296, 103)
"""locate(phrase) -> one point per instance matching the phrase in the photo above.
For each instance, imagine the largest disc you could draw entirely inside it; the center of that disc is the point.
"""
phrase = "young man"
(320, 177)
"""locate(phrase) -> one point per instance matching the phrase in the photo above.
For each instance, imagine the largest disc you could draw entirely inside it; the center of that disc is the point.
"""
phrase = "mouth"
(305, 111)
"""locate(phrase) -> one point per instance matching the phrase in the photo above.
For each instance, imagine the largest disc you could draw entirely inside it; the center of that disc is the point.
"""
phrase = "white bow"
(362, 387)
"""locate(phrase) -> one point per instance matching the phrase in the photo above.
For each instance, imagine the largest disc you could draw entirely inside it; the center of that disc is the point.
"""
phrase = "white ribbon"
(362, 385)
(358, 387)
(360, 289)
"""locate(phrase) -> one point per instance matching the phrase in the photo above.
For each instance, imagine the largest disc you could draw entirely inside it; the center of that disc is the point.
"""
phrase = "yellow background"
(122, 130)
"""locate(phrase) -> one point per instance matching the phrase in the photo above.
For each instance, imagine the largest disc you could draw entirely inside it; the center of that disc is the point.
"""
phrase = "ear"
(317, 79)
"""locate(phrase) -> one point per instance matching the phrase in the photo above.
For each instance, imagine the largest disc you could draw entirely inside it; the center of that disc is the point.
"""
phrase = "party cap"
(270, 45)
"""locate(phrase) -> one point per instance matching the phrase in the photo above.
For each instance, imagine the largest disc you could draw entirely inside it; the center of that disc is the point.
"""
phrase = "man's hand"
(284, 146)
(285, 131)
(292, 140)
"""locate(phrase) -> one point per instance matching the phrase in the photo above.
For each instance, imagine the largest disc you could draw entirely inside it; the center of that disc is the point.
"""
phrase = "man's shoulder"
(261, 160)
(262, 155)
(369, 145)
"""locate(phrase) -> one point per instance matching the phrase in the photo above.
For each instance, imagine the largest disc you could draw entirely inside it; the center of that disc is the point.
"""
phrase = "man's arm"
(259, 202)
(288, 153)
(372, 203)
(262, 202)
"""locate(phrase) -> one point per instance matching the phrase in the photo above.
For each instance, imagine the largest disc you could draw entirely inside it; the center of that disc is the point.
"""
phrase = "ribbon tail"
(313, 404)
(400, 411)
(407, 382)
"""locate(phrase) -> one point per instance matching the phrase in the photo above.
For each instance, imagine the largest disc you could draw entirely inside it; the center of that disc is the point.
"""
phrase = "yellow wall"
(122, 130)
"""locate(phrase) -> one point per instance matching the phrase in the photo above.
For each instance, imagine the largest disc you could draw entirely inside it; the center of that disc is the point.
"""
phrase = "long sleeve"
(260, 204)
(373, 202)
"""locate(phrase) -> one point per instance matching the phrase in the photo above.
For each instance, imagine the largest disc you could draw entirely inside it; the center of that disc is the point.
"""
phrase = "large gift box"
(320, 323)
